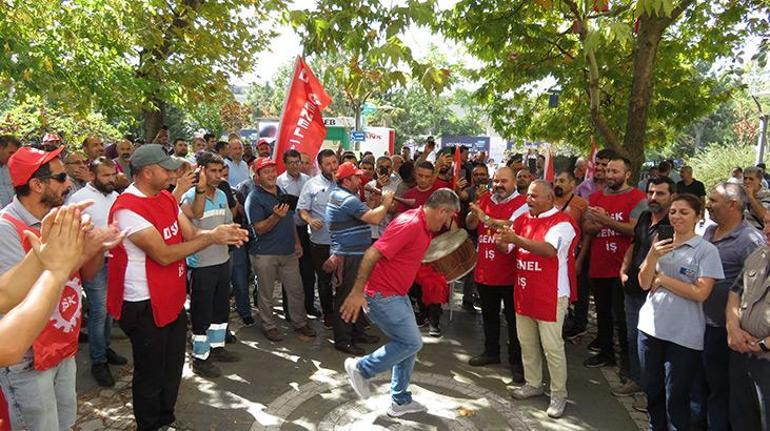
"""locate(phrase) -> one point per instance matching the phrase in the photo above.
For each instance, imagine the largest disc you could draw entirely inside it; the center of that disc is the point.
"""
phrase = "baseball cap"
(24, 162)
(262, 162)
(263, 142)
(153, 154)
(51, 137)
(348, 169)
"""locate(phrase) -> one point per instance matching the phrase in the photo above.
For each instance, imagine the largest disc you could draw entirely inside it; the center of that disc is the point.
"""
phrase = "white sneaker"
(396, 410)
(526, 391)
(556, 407)
(357, 380)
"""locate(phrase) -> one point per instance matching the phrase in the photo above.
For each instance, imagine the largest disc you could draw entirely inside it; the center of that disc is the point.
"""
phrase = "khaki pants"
(272, 268)
(536, 333)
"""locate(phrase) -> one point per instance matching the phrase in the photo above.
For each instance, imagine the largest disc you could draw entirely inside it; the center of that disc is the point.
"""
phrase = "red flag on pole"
(548, 170)
(457, 166)
(302, 127)
(591, 160)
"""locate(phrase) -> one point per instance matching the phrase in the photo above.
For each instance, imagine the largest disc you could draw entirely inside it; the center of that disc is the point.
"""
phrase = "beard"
(501, 192)
(614, 185)
(655, 207)
(51, 199)
(558, 191)
(105, 188)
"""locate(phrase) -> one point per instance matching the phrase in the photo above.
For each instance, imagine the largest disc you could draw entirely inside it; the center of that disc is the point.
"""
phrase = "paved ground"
(294, 385)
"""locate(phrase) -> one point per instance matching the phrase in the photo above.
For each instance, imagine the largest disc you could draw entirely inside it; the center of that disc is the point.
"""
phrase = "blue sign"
(475, 144)
(358, 136)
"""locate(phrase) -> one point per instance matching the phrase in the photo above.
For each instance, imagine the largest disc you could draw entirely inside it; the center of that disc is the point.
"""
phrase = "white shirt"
(239, 171)
(102, 203)
(135, 280)
(392, 186)
(560, 236)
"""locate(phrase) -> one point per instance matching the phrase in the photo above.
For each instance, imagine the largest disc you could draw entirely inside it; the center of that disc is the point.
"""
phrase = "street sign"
(358, 136)
(339, 122)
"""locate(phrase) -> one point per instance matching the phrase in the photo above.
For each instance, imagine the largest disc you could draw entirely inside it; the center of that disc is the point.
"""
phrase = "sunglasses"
(61, 177)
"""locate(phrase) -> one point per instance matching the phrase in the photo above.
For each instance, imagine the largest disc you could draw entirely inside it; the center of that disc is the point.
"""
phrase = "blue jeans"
(711, 391)
(667, 381)
(395, 318)
(99, 323)
(40, 400)
(239, 278)
(632, 305)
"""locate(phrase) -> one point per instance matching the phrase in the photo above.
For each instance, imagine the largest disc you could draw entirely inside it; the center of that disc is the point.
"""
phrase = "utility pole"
(762, 139)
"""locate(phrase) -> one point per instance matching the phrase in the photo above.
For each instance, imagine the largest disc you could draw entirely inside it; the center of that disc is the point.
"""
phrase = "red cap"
(263, 142)
(51, 137)
(348, 169)
(261, 162)
(24, 162)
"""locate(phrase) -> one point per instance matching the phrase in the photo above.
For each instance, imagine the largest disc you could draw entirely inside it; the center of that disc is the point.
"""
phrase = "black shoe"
(594, 346)
(421, 320)
(600, 360)
(468, 306)
(484, 359)
(113, 358)
(328, 322)
(517, 373)
(219, 354)
(248, 321)
(350, 349)
(230, 338)
(102, 375)
(366, 339)
(205, 368)
(434, 330)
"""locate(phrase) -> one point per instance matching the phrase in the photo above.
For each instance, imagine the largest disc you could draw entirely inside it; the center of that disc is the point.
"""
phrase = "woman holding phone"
(679, 273)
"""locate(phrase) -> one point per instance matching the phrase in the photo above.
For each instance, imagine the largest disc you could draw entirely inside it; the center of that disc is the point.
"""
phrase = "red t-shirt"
(439, 183)
(608, 246)
(403, 246)
(494, 267)
(419, 196)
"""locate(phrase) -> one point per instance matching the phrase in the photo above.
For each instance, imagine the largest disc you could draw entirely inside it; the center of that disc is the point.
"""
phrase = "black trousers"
(749, 392)
(345, 333)
(158, 355)
(610, 314)
(432, 312)
(580, 308)
(306, 269)
(319, 254)
(209, 296)
(490, 297)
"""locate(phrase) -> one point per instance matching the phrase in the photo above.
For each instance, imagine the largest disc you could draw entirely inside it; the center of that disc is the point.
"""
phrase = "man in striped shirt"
(349, 219)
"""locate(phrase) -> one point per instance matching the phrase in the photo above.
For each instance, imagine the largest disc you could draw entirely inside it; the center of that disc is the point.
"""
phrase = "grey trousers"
(285, 269)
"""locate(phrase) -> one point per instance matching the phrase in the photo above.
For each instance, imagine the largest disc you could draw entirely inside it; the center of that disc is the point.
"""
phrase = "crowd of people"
(681, 306)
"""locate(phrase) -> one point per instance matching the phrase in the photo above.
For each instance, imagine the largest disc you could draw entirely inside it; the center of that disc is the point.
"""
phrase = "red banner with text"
(302, 127)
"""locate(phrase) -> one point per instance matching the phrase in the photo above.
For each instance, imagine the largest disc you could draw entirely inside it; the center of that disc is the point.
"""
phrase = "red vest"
(608, 246)
(59, 339)
(536, 290)
(166, 283)
(5, 418)
(494, 267)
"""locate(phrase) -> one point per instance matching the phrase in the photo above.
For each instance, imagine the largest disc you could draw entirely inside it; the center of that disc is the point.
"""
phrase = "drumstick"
(411, 203)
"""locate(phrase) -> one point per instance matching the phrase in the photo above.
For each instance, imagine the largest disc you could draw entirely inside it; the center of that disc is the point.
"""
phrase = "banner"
(475, 144)
(302, 127)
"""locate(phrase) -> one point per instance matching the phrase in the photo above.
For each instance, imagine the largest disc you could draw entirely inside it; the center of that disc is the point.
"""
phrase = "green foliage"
(31, 119)
(714, 163)
(524, 44)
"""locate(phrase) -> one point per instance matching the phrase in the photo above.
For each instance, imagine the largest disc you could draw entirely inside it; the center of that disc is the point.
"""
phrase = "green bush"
(714, 163)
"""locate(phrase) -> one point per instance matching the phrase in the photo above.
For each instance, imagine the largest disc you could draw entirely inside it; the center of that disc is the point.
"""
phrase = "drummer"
(385, 275)
(495, 269)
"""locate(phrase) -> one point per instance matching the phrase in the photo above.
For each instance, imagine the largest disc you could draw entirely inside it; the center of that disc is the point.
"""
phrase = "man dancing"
(385, 275)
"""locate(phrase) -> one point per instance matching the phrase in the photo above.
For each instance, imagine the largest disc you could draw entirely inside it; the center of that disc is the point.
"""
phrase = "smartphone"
(665, 232)
(383, 170)
(289, 200)
(197, 176)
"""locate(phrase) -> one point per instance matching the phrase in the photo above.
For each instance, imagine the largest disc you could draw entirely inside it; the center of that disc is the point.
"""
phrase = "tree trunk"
(153, 120)
(651, 29)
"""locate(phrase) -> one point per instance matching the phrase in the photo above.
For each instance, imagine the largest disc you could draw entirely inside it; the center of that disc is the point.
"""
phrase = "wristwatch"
(199, 192)
(763, 346)
(486, 219)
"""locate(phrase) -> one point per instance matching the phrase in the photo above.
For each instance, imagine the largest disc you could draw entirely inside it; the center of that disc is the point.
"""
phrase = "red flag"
(457, 166)
(548, 172)
(591, 160)
(302, 127)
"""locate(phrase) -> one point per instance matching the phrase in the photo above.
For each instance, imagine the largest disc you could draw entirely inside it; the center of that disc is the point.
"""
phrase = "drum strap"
(564, 208)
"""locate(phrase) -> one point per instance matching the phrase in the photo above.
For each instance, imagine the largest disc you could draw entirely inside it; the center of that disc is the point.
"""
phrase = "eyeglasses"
(61, 177)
